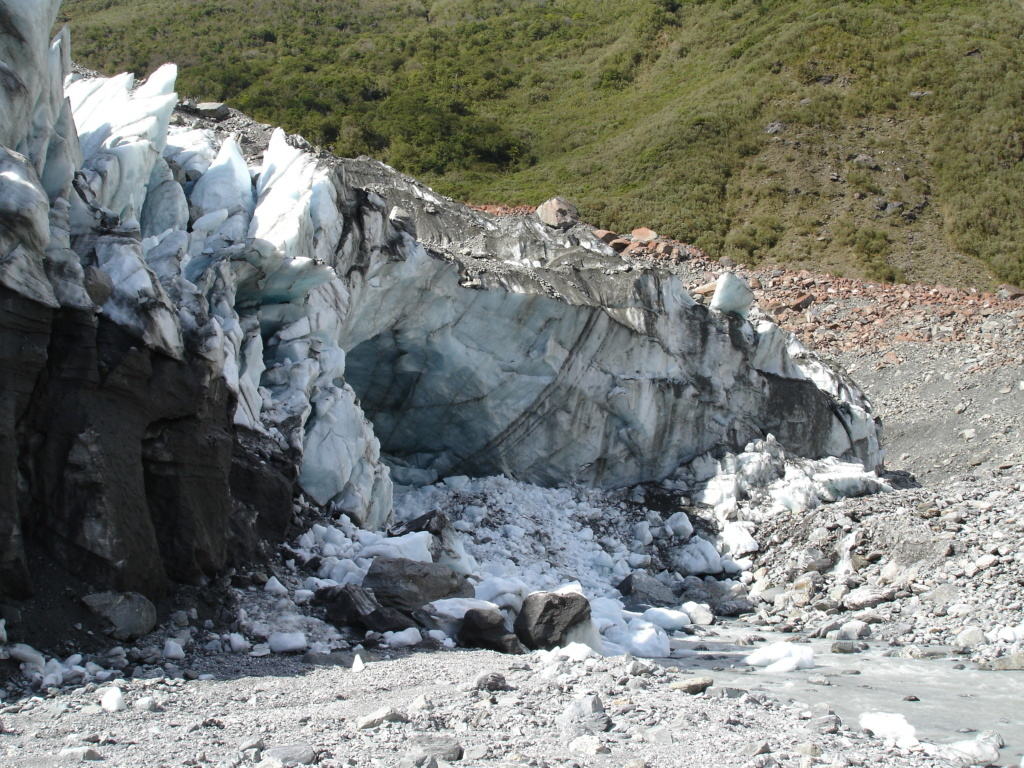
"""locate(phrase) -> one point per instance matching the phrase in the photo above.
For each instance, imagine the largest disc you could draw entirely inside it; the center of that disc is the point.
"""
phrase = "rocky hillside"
(867, 139)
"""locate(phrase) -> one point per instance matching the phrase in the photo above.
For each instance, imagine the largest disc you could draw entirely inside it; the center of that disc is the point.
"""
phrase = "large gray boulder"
(352, 606)
(642, 589)
(411, 584)
(485, 628)
(547, 618)
(130, 614)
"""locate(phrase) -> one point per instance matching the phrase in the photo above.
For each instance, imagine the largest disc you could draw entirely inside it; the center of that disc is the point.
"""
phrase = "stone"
(146, 704)
(81, 753)
(692, 685)
(868, 597)
(588, 745)
(853, 630)
(353, 606)
(292, 754)
(212, 110)
(969, 638)
(485, 628)
(585, 714)
(558, 213)
(439, 746)
(547, 618)
(130, 614)
(643, 589)
(410, 584)
(378, 717)
(723, 692)
(491, 681)
(848, 646)
(98, 285)
(643, 235)
(824, 724)
(1013, 660)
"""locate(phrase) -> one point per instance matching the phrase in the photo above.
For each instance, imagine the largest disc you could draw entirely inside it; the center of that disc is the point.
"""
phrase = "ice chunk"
(275, 587)
(782, 657)
(737, 540)
(287, 642)
(891, 726)
(404, 639)
(112, 700)
(732, 295)
(699, 556)
(226, 184)
(680, 525)
(647, 640)
(667, 619)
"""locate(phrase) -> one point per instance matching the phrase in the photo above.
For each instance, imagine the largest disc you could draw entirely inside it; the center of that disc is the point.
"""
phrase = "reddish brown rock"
(644, 235)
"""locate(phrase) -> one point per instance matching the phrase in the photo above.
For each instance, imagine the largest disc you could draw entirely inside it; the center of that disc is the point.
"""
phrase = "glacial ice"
(377, 332)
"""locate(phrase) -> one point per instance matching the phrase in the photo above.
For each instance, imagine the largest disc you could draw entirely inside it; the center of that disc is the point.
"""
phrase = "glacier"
(197, 324)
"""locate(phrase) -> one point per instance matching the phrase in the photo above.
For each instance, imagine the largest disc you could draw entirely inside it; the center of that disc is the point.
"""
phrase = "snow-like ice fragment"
(647, 640)
(666, 618)
(274, 587)
(891, 726)
(112, 700)
(404, 639)
(732, 295)
(698, 556)
(287, 642)
(225, 184)
(782, 657)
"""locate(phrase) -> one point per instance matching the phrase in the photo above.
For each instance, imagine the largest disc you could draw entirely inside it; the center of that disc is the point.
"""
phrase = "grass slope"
(652, 112)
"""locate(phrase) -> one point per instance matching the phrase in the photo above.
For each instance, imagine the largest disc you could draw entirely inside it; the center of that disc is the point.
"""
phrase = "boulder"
(643, 235)
(558, 213)
(212, 110)
(586, 714)
(547, 618)
(483, 628)
(350, 605)
(410, 584)
(643, 589)
(130, 614)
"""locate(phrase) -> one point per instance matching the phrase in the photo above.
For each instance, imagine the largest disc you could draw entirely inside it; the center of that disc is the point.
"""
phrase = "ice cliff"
(196, 326)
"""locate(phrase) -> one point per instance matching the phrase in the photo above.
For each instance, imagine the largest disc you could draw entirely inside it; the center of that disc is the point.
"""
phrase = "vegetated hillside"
(882, 138)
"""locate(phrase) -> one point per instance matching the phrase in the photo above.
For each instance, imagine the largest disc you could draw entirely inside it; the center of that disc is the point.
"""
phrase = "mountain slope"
(874, 138)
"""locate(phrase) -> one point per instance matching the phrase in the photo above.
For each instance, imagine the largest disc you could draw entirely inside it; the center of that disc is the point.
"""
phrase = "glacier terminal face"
(196, 326)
